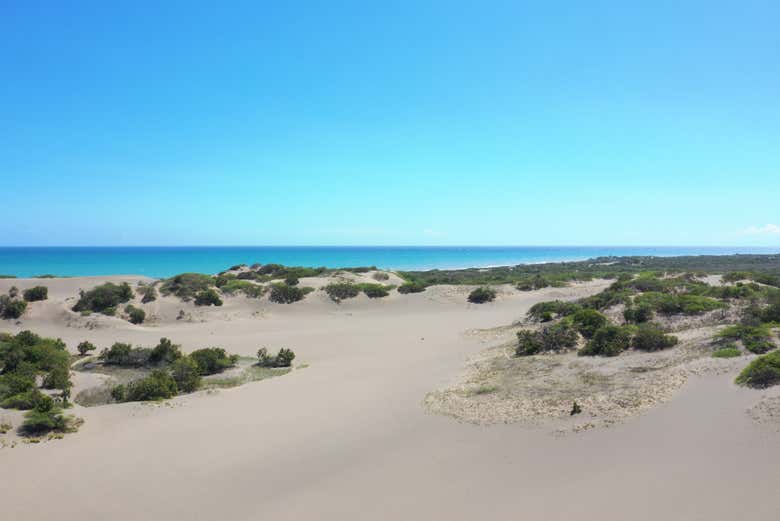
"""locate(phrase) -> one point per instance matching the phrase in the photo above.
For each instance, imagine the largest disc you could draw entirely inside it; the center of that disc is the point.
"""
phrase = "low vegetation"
(283, 358)
(411, 287)
(36, 293)
(208, 297)
(212, 360)
(135, 315)
(104, 298)
(283, 293)
(762, 372)
(481, 295)
(11, 308)
(187, 286)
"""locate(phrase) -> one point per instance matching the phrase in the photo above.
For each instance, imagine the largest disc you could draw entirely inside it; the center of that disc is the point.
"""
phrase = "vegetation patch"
(187, 286)
(283, 293)
(411, 287)
(481, 295)
(36, 293)
(762, 372)
(104, 298)
(730, 351)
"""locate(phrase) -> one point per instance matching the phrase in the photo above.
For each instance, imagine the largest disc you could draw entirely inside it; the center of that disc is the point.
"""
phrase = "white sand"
(348, 438)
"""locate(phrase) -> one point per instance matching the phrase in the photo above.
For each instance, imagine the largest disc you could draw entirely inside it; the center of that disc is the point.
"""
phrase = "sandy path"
(347, 438)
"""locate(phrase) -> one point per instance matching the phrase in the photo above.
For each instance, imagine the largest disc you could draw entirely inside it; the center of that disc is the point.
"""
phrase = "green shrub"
(291, 280)
(250, 289)
(148, 294)
(125, 355)
(607, 341)
(36, 293)
(380, 276)
(58, 378)
(208, 297)
(533, 283)
(12, 309)
(165, 352)
(159, 385)
(24, 401)
(85, 347)
(186, 374)
(552, 307)
(649, 337)
(283, 359)
(339, 291)
(762, 372)
(481, 295)
(729, 351)
(38, 422)
(756, 339)
(135, 315)
(109, 311)
(557, 337)
(187, 285)
(673, 304)
(104, 298)
(375, 290)
(638, 314)
(587, 321)
(411, 287)
(286, 294)
(212, 360)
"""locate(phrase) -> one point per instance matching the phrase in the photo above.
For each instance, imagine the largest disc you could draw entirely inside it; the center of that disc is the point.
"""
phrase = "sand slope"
(348, 438)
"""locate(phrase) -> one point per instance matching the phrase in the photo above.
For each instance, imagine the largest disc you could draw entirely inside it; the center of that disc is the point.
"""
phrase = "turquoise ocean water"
(167, 261)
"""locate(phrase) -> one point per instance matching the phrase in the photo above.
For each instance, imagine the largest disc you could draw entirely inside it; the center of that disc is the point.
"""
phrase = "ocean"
(167, 261)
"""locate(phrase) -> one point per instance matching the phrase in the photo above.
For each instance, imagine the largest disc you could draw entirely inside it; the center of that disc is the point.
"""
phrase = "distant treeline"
(534, 276)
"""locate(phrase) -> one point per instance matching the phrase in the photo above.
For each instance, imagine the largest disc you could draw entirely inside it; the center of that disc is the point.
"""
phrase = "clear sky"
(368, 122)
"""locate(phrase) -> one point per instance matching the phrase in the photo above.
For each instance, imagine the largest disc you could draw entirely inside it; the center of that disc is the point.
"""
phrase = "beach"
(346, 434)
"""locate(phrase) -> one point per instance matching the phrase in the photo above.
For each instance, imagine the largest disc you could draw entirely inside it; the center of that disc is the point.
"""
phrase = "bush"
(638, 314)
(549, 308)
(533, 283)
(650, 337)
(250, 289)
(148, 294)
(208, 297)
(291, 280)
(283, 359)
(186, 374)
(481, 295)
(762, 372)
(186, 285)
(85, 347)
(165, 352)
(159, 385)
(558, 337)
(135, 315)
(411, 287)
(730, 351)
(38, 422)
(24, 401)
(674, 304)
(380, 276)
(756, 339)
(375, 290)
(36, 293)
(104, 298)
(58, 378)
(125, 355)
(212, 360)
(12, 309)
(587, 321)
(339, 291)
(286, 294)
(607, 341)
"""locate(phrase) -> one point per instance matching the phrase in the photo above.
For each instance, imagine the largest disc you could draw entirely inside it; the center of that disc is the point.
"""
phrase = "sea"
(158, 262)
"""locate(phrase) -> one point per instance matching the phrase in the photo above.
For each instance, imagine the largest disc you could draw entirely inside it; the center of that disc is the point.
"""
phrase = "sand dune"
(348, 437)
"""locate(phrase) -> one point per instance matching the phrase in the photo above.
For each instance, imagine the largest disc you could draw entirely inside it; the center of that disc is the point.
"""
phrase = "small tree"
(208, 297)
(482, 295)
(36, 293)
(135, 315)
(85, 347)
(185, 372)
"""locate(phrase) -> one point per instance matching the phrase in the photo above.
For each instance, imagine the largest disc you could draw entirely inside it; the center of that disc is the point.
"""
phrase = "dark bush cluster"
(85, 347)
(481, 295)
(338, 291)
(12, 308)
(212, 360)
(104, 298)
(159, 385)
(588, 321)
(135, 315)
(36, 293)
(556, 338)
(148, 293)
(187, 285)
(756, 339)
(282, 293)
(545, 311)
(607, 341)
(208, 297)
(24, 358)
(650, 337)
(411, 287)
(283, 358)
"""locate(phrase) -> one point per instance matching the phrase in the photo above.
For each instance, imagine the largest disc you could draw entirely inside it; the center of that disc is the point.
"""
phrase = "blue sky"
(180, 123)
